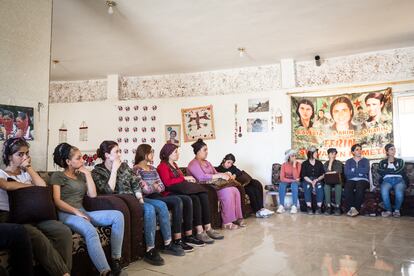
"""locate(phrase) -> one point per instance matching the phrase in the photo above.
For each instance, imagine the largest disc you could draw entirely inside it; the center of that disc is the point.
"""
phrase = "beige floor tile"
(301, 245)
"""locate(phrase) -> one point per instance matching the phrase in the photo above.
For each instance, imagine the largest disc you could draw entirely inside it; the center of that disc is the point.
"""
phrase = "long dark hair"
(105, 147)
(142, 151)
(307, 102)
(229, 156)
(11, 146)
(63, 152)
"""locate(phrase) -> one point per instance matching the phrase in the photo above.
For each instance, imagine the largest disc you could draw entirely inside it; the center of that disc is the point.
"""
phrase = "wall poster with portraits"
(16, 121)
(340, 121)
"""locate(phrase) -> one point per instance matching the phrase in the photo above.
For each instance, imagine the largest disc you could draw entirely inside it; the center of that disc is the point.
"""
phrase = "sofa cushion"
(32, 204)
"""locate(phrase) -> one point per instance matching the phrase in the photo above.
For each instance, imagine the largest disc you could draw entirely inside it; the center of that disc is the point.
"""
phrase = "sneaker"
(205, 238)
(318, 211)
(187, 248)
(280, 209)
(354, 212)
(337, 211)
(266, 212)
(396, 214)
(215, 235)
(309, 210)
(173, 249)
(116, 268)
(386, 214)
(328, 211)
(259, 214)
(349, 213)
(153, 257)
(294, 209)
(193, 241)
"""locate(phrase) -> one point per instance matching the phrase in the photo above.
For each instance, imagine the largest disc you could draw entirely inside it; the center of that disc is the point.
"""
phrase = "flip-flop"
(230, 226)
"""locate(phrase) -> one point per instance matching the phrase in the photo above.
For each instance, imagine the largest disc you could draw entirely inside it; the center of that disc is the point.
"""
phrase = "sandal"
(240, 222)
(230, 226)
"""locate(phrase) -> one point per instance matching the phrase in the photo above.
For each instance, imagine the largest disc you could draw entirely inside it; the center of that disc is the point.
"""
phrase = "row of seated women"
(311, 173)
(158, 189)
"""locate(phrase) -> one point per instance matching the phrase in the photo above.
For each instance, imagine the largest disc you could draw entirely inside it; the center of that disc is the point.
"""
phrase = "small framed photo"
(173, 134)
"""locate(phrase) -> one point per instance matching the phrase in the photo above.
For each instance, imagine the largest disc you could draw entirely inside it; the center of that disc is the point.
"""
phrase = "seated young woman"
(289, 176)
(181, 206)
(51, 239)
(172, 177)
(113, 176)
(254, 189)
(69, 189)
(229, 197)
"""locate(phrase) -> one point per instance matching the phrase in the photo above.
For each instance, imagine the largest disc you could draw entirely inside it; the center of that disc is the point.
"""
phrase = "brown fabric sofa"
(132, 248)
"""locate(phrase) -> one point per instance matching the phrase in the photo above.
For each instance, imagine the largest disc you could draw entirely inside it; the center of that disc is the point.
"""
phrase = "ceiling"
(151, 37)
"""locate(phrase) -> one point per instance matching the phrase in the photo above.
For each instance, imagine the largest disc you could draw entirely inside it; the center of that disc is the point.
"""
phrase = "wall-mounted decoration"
(258, 105)
(198, 122)
(63, 133)
(16, 121)
(236, 128)
(90, 159)
(173, 134)
(257, 125)
(339, 121)
(278, 117)
(83, 132)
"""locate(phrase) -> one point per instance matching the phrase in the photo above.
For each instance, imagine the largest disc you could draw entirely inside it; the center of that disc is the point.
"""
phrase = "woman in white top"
(51, 239)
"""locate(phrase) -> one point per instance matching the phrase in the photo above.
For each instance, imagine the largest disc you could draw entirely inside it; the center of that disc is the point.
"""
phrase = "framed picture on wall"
(257, 125)
(198, 122)
(258, 105)
(16, 121)
(173, 134)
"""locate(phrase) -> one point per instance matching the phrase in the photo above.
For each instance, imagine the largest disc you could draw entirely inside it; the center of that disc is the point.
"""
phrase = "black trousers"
(255, 192)
(201, 209)
(14, 238)
(181, 207)
(354, 193)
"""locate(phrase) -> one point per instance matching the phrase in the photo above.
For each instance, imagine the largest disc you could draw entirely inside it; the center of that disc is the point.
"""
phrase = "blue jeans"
(294, 186)
(309, 189)
(154, 209)
(396, 183)
(86, 228)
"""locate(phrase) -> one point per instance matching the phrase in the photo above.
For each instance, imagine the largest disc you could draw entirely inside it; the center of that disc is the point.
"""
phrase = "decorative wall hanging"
(83, 132)
(63, 133)
(154, 107)
(16, 121)
(339, 121)
(278, 117)
(198, 122)
(236, 128)
(257, 125)
(145, 108)
(135, 118)
(258, 105)
(127, 108)
(173, 134)
(136, 107)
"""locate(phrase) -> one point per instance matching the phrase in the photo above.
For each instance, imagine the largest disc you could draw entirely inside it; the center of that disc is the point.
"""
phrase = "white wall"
(255, 152)
(25, 61)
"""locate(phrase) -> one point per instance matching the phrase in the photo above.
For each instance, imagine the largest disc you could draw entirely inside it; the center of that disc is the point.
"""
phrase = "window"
(404, 124)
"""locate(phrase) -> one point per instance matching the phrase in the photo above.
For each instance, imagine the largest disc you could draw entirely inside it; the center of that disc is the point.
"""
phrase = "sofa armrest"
(111, 202)
(136, 212)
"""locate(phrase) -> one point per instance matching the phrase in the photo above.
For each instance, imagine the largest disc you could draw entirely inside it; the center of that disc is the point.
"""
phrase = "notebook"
(333, 178)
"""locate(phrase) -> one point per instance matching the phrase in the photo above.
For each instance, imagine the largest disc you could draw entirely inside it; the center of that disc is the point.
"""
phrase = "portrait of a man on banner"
(340, 121)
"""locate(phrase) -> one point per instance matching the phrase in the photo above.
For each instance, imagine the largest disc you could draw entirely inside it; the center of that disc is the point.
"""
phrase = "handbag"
(219, 184)
(333, 178)
(244, 179)
(186, 188)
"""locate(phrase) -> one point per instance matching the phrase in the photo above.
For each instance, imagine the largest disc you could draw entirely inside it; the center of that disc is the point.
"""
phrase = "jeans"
(154, 209)
(396, 183)
(15, 238)
(355, 199)
(181, 208)
(309, 189)
(338, 194)
(294, 186)
(86, 228)
(201, 209)
(255, 192)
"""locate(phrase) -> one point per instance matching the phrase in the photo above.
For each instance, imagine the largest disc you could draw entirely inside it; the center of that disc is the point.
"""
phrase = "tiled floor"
(301, 245)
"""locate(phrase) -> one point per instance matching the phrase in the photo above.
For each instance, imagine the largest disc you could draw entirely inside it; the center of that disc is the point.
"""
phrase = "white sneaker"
(280, 209)
(294, 209)
(266, 212)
